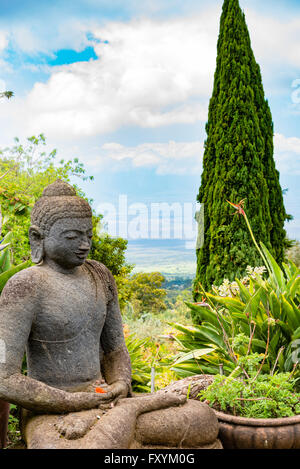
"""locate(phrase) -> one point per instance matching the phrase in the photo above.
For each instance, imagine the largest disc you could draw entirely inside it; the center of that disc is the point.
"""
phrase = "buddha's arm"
(115, 364)
(18, 304)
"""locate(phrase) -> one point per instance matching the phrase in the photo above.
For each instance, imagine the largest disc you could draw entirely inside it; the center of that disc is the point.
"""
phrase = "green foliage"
(14, 434)
(147, 352)
(262, 318)
(25, 170)
(7, 270)
(146, 293)
(267, 397)
(238, 161)
(141, 369)
(110, 251)
(160, 346)
(6, 94)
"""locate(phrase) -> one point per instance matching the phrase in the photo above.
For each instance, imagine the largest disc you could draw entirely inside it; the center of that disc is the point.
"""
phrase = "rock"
(190, 426)
(191, 385)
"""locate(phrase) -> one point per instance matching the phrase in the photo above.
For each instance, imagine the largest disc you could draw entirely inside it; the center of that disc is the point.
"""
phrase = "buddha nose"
(85, 245)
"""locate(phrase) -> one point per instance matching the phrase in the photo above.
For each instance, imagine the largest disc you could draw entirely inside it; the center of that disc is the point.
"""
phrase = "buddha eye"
(71, 236)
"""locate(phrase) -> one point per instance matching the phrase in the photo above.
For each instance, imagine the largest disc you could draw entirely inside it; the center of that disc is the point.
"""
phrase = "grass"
(160, 347)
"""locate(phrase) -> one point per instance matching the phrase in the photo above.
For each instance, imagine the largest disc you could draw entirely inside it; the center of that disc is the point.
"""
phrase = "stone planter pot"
(244, 433)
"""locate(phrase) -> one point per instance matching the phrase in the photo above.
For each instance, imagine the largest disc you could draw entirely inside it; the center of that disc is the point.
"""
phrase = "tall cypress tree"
(238, 161)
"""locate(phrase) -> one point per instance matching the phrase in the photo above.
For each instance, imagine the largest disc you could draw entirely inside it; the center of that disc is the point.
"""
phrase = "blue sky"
(125, 86)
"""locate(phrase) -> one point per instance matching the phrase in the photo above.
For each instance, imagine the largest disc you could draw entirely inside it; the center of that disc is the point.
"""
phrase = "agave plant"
(141, 370)
(7, 269)
(263, 319)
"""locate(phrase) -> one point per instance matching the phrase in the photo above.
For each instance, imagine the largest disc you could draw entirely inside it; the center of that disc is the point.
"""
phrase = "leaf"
(295, 287)
(5, 261)
(287, 270)
(244, 292)
(8, 237)
(277, 272)
(260, 344)
(296, 334)
(189, 330)
(286, 330)
(193, 354)
(212, 336)
(233, 304)
(253, 302)
(275, 306)
(292, 320)
(189, 369)
(205, 314)
(274, 342)
(235, 373)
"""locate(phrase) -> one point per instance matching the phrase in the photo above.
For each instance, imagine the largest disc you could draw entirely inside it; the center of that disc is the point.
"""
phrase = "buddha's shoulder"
(103, 272)
(104, 275)
(29, 275)
(22, 284)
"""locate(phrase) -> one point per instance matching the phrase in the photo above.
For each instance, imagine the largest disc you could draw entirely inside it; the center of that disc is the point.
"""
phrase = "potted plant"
(250, 333)
(261, 412)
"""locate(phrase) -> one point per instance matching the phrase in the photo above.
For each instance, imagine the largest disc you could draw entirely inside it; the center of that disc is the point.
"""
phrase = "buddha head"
(61, 227)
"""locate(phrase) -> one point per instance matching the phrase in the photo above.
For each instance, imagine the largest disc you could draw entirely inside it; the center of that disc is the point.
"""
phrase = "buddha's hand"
(74, 426)
(118, 390)
(88, 400)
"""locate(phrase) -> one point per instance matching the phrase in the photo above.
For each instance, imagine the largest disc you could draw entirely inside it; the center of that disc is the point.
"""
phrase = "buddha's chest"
(69, 308)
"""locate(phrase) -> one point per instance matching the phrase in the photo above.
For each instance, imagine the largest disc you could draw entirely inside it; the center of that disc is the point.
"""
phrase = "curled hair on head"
(59, 200)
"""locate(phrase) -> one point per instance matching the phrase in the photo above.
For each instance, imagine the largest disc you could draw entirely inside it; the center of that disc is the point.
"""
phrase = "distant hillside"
(170, 257)
(177, 283)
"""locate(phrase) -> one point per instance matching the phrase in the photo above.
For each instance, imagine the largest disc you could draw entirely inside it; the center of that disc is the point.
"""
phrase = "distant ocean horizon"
(168, 256)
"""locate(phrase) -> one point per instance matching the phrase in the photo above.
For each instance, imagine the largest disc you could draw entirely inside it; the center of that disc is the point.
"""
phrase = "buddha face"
(69, 242)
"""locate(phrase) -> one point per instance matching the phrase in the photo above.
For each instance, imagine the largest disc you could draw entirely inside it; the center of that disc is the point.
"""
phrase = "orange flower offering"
(100, 390)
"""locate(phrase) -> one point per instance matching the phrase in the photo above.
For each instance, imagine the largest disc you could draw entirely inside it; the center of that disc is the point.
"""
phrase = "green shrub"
(141, 369)
(266, 397)
(7, 270)
(261, 318)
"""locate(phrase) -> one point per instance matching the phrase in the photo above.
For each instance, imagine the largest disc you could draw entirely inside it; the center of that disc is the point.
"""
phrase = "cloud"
(3, 41)
(149, 74)
(2, 86)
(178, 157)
(287, 154)
(276, 41)
(167, 158)
(36, 38)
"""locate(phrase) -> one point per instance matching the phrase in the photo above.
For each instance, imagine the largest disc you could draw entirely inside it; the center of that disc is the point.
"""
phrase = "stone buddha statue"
(64, 312)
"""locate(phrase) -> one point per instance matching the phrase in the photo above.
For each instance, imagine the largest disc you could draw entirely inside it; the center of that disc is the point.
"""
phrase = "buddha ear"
(36, 239)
